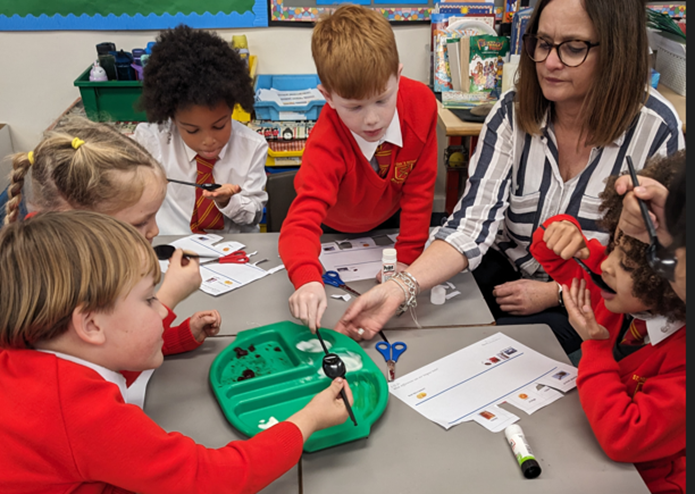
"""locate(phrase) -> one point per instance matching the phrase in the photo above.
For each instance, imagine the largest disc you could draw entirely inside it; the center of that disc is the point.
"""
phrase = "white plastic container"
(388, 264)
(438, 295)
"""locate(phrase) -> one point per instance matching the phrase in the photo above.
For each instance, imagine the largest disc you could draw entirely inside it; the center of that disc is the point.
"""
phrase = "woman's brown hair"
(619, 88)
(100, 171)
(55, 262)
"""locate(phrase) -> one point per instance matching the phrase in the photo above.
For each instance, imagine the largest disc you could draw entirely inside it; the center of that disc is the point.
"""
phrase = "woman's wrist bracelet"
(410, 287)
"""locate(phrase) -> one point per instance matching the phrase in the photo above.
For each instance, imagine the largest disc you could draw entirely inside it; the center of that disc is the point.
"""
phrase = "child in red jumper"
(90, 166)
(631, 378)
(372, 152)
(77, 305)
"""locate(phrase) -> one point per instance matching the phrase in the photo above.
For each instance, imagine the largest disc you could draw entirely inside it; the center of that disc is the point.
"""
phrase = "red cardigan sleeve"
(178, 339)
(418, 197)
(317, 184)
(561, 270)
(647, 426)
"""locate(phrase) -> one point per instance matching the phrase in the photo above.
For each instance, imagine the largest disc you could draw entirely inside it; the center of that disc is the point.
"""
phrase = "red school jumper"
(636, 407)
(64, 429)
(338, 187)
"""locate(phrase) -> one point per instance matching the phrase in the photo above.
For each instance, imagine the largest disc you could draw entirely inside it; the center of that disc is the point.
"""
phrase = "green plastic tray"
(110, 100)
(285, 378)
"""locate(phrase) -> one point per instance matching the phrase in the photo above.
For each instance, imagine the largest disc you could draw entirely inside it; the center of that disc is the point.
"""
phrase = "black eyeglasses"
(661, 260)
(572, 52)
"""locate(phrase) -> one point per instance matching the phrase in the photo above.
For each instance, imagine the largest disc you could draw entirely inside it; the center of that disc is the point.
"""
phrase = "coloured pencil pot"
(269, 373)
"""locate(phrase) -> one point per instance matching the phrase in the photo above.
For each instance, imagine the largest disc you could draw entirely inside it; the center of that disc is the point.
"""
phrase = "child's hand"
(222, 195)
(181, 279)
(308, 303)
(578, 304)
(566, 240)
(325, 410)
(205, 323)
(400, 266)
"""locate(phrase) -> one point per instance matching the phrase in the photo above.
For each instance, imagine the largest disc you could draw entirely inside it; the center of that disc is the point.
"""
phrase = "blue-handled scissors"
(333, 278)
(391, 352)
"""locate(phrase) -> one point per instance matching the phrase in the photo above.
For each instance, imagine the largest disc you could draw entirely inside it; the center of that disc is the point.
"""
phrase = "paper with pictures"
(495, 419)
(219, 278)
(356, 259)
(455, 388)
(223, 278)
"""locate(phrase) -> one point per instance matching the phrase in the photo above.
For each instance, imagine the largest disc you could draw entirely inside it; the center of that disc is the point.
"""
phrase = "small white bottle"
(509, 72)
(388, 264)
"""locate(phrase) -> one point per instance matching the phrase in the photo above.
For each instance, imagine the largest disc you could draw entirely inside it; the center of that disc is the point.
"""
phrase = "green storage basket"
(110, 100)
(286, 377)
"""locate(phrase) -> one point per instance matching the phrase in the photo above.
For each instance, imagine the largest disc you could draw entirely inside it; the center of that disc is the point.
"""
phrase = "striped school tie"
(636, 333)
(205, 215)
(383, 157)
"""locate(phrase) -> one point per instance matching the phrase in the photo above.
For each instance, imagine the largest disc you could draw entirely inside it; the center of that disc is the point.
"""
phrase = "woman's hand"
(566, 240)
(368, 314)
(205, 323)
(525, 297)
(181, 279)
(631, 221)
(581, 316)
(308, 303)
(222, 195)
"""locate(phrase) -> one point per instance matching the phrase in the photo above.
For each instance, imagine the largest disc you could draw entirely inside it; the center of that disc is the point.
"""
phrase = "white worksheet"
(357, 258)
(457, 387)
(220, 278)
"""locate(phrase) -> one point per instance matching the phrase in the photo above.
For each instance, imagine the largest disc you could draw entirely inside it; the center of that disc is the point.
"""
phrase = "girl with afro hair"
(631, 378)
(192, 82)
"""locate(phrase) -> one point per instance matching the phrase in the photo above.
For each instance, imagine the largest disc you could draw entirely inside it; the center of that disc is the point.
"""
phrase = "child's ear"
(400, 72)
(326, 95)
(87, 326)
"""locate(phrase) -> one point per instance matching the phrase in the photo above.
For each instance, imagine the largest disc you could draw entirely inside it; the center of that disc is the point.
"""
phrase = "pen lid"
(531, 469)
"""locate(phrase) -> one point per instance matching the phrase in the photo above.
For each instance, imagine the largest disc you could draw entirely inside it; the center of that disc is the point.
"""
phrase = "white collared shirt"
(134, 395)
(393, 135)
(241, 162)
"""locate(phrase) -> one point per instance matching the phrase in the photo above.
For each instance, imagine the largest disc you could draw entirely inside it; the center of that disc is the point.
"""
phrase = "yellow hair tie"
(30, 157)
(77, 142)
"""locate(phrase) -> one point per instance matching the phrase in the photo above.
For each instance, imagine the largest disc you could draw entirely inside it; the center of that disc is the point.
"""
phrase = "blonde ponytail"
(21, 163)
(90, 166)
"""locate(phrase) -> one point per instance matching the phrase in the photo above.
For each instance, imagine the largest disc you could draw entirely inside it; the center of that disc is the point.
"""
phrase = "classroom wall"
(38, 68)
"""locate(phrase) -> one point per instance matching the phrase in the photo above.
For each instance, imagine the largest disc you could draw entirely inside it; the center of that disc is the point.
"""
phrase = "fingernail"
(339, 379)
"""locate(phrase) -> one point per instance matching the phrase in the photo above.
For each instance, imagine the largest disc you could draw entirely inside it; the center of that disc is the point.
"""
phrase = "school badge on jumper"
(402, 170)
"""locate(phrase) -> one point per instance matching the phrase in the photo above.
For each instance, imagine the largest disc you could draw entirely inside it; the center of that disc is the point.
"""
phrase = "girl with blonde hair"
(91, 166)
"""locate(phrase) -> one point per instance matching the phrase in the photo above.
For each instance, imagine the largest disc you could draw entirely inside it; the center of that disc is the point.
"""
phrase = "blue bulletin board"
(49, 15)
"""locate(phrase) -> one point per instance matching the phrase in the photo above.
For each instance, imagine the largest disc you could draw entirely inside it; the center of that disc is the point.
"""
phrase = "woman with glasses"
(582, 104)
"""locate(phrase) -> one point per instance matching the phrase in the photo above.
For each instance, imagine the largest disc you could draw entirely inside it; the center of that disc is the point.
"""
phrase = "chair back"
(281, 193)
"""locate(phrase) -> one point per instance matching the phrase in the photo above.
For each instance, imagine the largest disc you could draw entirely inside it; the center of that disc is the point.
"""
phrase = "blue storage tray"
(269, 110)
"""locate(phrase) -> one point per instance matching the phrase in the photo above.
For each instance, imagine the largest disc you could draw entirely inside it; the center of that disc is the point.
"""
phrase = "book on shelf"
(465, 101)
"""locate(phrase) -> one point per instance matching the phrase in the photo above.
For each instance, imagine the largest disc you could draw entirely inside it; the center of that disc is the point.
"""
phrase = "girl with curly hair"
(631, 377)
(192, 82)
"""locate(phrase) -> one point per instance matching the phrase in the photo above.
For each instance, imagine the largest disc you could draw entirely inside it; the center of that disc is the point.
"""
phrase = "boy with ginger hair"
(372, 153)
